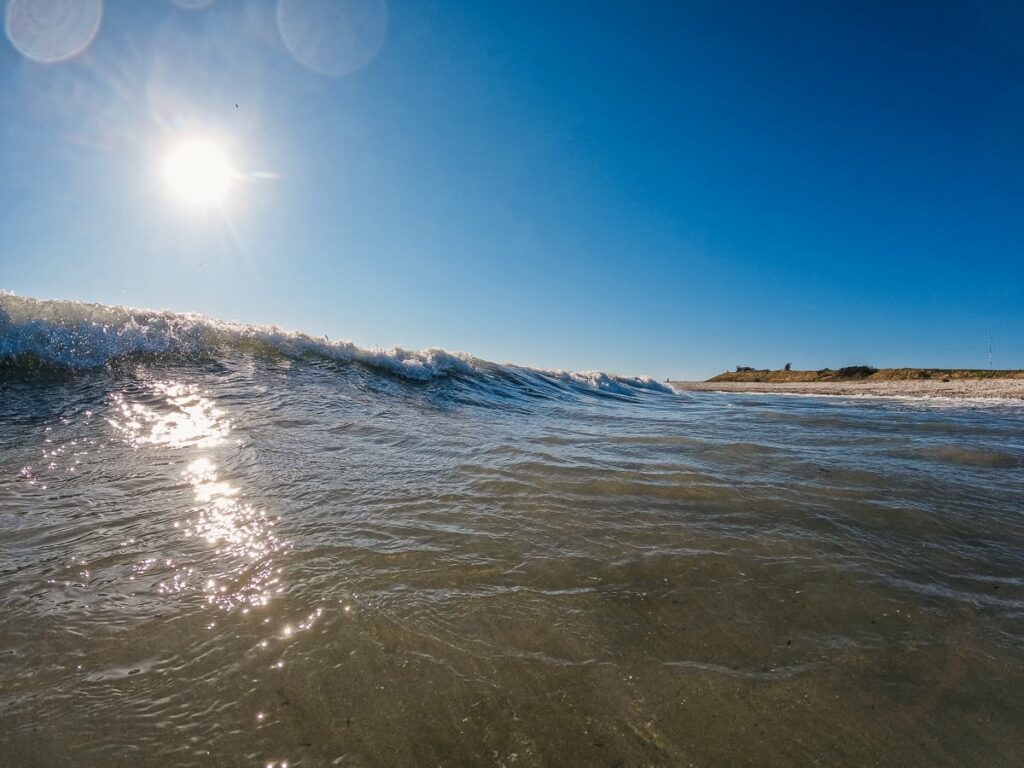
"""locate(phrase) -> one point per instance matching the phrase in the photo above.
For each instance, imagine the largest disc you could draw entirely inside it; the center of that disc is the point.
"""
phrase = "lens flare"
(49, 31)
(333, 37)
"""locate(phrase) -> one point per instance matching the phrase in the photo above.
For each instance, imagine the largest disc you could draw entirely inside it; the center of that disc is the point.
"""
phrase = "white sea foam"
(82, 335)
(607, 382)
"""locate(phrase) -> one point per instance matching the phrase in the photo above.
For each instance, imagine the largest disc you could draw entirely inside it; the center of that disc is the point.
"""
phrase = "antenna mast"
(990, 349)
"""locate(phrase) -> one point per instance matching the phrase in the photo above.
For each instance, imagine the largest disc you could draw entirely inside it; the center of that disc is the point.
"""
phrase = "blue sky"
(667, 188)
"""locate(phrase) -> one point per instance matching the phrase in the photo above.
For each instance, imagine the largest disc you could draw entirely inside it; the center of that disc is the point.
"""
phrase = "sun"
(198, 171)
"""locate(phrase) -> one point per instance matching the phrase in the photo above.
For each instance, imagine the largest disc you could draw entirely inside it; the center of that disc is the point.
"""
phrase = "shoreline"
(958, 389)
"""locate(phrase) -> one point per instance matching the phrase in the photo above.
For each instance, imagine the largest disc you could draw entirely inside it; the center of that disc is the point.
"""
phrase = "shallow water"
(252, 558)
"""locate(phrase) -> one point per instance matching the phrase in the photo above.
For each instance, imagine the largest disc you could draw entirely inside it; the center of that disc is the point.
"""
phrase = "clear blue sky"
(671, 188)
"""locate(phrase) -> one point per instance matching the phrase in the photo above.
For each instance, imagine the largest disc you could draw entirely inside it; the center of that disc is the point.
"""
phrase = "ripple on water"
(255, 563)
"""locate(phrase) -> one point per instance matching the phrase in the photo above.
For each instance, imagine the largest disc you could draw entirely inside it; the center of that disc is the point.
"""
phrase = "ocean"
(230, 545)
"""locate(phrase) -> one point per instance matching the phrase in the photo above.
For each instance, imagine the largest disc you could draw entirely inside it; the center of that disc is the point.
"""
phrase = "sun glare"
(198, 171)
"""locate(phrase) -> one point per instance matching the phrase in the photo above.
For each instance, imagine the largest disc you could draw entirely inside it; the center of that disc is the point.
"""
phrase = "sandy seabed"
(1012, 389)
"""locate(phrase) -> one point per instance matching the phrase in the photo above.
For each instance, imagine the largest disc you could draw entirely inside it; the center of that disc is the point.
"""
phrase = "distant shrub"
(788, 367)
(743, 368)
(856, 371)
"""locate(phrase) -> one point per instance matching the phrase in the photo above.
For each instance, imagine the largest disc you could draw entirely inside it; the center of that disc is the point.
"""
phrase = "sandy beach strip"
(1011, 389)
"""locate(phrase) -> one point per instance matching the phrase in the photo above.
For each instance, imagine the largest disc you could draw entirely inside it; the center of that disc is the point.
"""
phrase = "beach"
(960, 389)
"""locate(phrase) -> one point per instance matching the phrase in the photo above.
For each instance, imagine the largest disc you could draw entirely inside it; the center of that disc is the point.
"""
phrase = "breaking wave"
(80, 335)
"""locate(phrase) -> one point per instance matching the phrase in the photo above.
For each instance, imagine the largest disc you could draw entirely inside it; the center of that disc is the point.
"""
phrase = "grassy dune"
(865, 374)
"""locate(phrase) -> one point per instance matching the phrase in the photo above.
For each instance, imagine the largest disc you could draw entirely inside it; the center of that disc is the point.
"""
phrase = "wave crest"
(73, 334)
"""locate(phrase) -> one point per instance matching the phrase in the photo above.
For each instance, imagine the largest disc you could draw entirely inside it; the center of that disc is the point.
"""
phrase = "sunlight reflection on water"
(242, 572)
(193, 420)
(243, 537)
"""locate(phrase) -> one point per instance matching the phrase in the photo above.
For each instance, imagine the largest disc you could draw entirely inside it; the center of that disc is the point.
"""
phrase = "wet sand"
(955, 388)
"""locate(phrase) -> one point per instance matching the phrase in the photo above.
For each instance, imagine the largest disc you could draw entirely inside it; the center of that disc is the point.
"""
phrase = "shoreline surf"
(958, 389)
